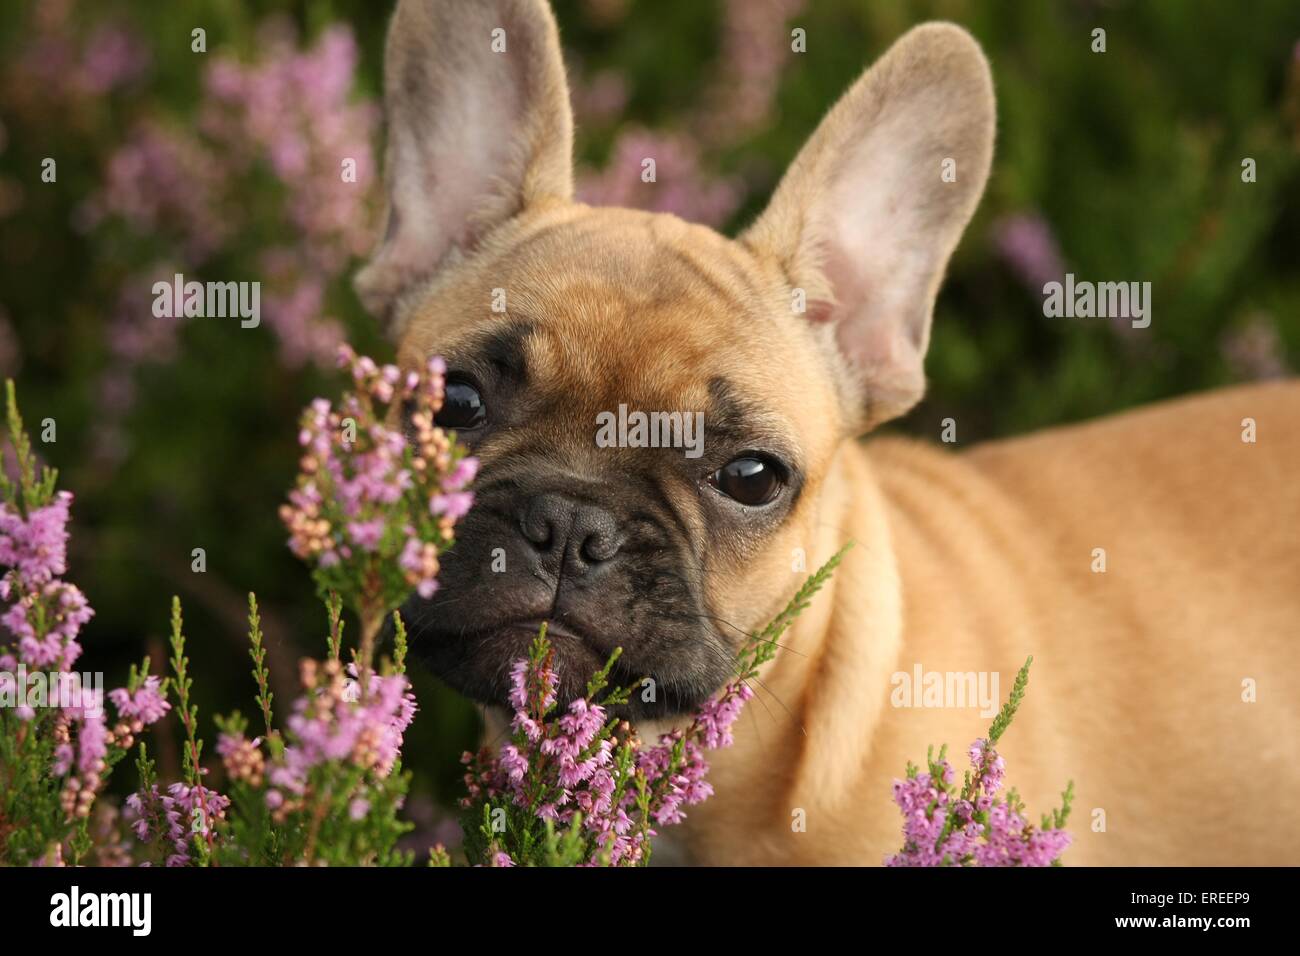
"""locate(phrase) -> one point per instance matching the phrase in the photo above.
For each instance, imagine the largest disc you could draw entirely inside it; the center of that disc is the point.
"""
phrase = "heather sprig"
(31, 492)
(258, 653)
(204, 807)
(374, 505)
(580, 787)
(57, 743)
(762, 647)
(1008, 710)
(326, 790)
(944, 825)
(328, 787)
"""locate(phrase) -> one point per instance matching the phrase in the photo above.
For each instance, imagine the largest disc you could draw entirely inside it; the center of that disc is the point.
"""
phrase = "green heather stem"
(761, 647)
(399, 643)
(189, 716)
(1003, 720)
(258, 653)
(334, 605)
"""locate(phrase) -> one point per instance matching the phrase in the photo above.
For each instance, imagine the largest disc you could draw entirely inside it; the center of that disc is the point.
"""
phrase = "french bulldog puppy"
(1166, 686)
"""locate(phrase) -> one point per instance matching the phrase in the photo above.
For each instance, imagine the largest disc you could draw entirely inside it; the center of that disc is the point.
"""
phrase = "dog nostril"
(600, 547)
(537, 523)
(597, 532)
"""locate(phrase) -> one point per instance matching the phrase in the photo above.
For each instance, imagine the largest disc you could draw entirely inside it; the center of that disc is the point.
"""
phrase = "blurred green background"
(225, 164)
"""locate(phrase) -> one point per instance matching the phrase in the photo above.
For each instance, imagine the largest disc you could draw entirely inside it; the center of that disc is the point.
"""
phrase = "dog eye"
(462, 407)
(749, 480)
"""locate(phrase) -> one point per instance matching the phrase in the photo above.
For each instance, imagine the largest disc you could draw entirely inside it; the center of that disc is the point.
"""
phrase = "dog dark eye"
(462, 407)
(750, 480)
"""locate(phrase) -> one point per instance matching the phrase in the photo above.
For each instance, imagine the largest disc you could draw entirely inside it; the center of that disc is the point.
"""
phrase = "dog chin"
(477, 664)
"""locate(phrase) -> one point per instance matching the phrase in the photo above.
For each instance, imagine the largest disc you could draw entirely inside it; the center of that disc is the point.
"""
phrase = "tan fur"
(1136, 687)
(962, 562)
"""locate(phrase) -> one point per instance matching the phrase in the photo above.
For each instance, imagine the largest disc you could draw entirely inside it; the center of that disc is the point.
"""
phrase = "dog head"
(558, 320)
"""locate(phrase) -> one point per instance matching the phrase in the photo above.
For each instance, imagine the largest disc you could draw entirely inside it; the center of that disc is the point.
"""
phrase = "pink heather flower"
(63, 757)
(112, 58)
(987, 765)
(65, 611)
(581, 724)
(295, 307)
(358, 808)
(58, 72)
(681, 187)
(92, 746)
(685, 787)
(571, 760)
(163, 180)
(420, 560)
(227, 744)
(367, 534)
(1255, 351)
(600, 97)
(147, 705)
(717, 716)
(513, 764)
(368, 731)
(502, 859)
(293, 108)
(1005, 839)
(175, 816)
(755, 47)
(37, 546)
(291, 111)
(358, 484)
(15, 620)
(461, 474)
(190, 799)
(1026, 243)
(453, 506)
(525, 683)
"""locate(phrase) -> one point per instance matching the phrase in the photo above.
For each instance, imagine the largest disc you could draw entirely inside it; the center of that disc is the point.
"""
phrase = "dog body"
(1149, 563)
(973, 561)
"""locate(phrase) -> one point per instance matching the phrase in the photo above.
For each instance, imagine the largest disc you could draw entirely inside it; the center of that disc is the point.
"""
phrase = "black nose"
(572, 534)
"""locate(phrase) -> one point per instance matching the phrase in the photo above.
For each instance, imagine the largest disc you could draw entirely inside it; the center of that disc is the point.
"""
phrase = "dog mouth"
(478, 664)
(477, 661)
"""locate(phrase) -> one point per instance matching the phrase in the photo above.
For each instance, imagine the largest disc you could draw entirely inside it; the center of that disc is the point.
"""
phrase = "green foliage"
(258, 653)
(1008, 710)
(761, 647)
(31, 491)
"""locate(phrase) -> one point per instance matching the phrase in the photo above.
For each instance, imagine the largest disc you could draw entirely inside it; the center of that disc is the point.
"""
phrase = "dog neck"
(802, 741)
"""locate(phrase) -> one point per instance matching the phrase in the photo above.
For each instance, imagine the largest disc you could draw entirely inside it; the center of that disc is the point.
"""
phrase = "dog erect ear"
(869, 213)
(479, 128)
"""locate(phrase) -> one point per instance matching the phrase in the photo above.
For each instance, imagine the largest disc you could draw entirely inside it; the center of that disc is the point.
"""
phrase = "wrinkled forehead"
(608, 307)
